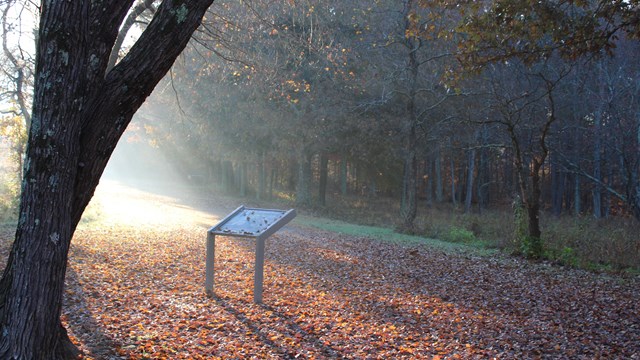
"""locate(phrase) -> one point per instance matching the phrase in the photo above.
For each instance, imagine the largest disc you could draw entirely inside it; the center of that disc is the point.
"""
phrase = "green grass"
(388, 235)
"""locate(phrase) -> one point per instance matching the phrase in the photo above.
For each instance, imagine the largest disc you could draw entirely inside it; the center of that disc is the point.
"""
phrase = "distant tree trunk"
(483, 173)
(567, 195)
(217, 172)
(303, 189)
(228, 178)
(507, 177)
(272, 182)
(373, 185)
(533, 200)
(557, 187)
(429, 185)
(79, 113)
(322, 183)
(452, 167)
(634, 186)
(577, 203)
(610, 182)
(291, 180)
(262, 176)
(408, 203)
(470, 173)
(597, 172)
(408, 209)
(438, 174)
(343, 175)
(243, 182)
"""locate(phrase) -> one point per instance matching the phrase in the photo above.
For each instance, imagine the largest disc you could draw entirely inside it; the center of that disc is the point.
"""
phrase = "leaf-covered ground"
(135, 290)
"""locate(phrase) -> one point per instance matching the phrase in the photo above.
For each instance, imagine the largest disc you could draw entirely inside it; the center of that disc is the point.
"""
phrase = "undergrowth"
(610, 244)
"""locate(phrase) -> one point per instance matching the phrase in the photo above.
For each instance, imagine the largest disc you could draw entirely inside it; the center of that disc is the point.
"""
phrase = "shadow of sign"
(310, 344)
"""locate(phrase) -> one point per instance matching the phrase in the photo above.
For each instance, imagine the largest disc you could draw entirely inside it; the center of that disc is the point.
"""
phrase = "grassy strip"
(389, 235)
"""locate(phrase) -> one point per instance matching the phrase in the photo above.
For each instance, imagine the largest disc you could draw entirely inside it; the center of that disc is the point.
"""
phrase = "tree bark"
(79, 113)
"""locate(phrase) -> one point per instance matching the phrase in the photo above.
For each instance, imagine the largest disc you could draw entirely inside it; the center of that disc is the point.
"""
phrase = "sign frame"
(256, 223)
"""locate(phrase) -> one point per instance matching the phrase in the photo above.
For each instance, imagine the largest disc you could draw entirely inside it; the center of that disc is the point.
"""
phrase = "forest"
(468, 174)
(420, 103)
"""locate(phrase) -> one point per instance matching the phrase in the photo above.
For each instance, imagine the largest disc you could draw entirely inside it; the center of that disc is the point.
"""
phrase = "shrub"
(531, 247)
(460, 235)
(568, 257)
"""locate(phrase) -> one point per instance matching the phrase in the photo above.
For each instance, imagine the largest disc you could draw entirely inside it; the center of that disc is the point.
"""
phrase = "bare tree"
(17, 69)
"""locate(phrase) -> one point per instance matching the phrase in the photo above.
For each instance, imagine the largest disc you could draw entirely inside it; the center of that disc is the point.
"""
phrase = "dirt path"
(136, 275)
(118, 204)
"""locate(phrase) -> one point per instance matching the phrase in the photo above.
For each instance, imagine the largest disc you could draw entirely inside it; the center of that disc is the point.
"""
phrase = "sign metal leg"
(211, 254)
(259, 271)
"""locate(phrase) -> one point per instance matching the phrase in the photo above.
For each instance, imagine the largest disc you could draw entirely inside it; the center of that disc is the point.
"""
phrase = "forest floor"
(135, 290)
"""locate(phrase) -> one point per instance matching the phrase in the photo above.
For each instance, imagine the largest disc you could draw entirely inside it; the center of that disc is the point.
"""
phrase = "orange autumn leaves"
(142, 291)
(136, 291)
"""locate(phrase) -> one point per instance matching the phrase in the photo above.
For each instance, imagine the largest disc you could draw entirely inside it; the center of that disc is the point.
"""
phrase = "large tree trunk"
(79, 113)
